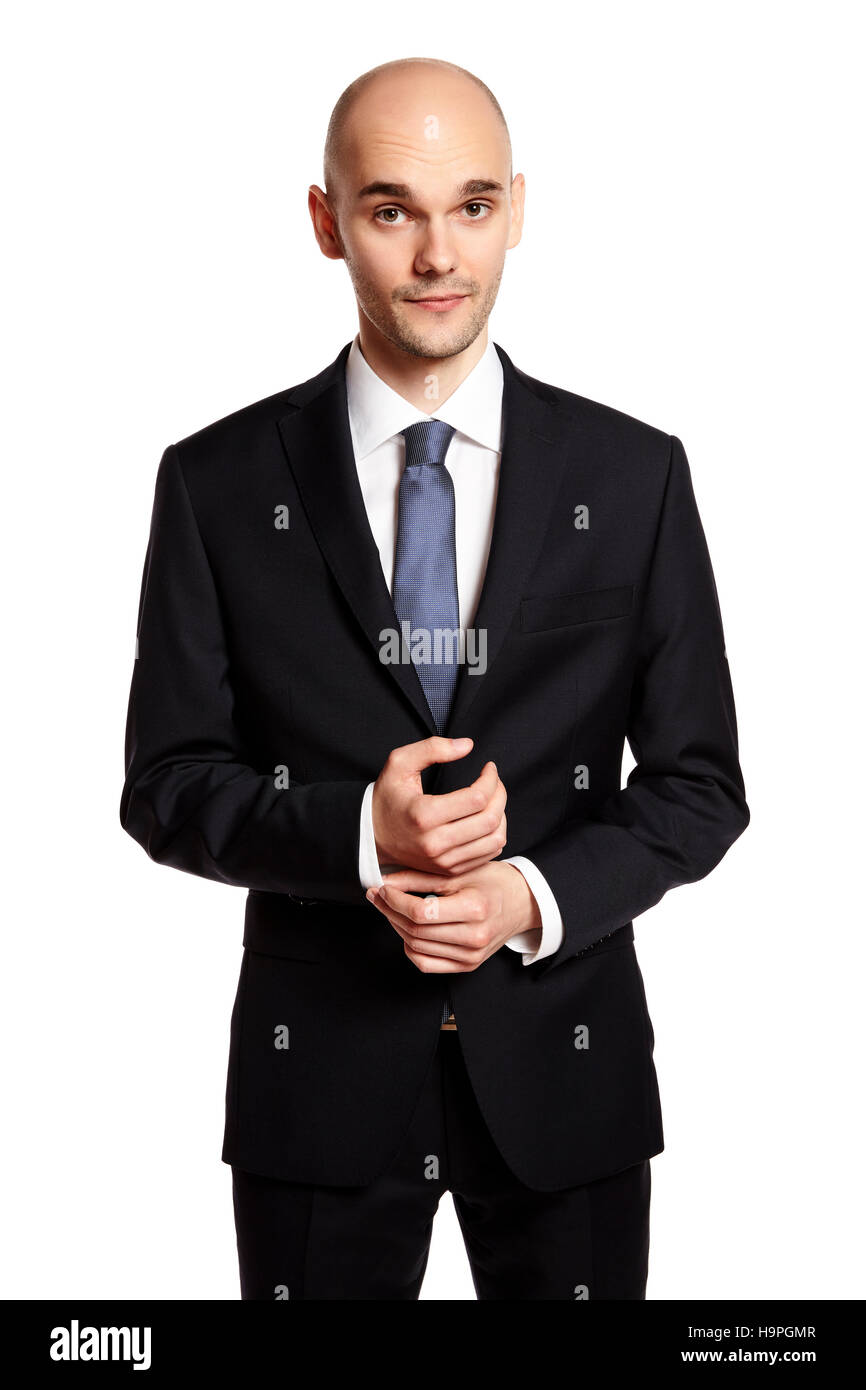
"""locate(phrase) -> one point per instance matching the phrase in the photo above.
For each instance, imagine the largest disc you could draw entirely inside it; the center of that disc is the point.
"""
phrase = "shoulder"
(256, 421)
(221, 461)
(626, 446)
(605, 420)
(239, 427)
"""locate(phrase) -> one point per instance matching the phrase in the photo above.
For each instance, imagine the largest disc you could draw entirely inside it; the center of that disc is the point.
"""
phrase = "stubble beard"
(386, 316)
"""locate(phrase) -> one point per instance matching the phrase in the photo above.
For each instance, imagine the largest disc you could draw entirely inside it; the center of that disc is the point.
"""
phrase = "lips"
(438, 303)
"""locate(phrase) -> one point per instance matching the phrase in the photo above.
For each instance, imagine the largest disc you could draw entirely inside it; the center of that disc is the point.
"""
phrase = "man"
(374, 607)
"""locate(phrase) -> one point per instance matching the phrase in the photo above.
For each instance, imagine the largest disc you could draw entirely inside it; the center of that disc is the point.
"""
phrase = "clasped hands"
(446, 843)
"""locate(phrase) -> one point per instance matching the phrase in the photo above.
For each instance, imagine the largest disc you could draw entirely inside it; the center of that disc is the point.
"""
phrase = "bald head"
(406, 100)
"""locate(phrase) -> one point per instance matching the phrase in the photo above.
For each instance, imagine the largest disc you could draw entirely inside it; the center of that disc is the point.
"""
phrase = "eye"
(476, 212)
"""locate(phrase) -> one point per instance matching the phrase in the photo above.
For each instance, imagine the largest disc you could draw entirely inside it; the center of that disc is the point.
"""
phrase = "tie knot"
(427, 441)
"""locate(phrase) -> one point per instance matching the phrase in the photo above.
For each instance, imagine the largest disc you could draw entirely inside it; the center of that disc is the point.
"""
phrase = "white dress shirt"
(377, 414)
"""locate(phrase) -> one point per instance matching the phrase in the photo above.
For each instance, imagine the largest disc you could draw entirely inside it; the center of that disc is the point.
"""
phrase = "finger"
(458, 937)
(482, 851)
(463, 941)
(419, 881)
(459, 834)
(464, 871)
(411, 758)
(443, 808)
(435, 965)
(436, 951)
(432, 909)
(442, 950)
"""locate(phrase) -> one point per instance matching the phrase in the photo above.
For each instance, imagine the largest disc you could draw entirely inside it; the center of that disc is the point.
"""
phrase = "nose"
(437, 251)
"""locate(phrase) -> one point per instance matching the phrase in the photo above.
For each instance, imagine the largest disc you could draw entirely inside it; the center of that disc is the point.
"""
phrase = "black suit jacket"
(258, 650)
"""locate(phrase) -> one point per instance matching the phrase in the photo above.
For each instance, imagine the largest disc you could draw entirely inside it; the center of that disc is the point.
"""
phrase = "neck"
(425, 382)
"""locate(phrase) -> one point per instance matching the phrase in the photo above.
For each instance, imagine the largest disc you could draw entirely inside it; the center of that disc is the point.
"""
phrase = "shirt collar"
(377, 412)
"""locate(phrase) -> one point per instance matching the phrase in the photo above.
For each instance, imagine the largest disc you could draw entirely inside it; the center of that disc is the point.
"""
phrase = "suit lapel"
(318, 445)
(529, 474)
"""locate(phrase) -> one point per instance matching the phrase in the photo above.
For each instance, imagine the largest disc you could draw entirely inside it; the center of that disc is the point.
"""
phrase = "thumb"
(414, 757)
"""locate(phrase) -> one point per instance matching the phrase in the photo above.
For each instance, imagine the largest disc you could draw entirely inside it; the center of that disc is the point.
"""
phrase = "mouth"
(438, 303)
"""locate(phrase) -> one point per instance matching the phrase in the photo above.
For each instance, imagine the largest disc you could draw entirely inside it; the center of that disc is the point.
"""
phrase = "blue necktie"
(425, 565)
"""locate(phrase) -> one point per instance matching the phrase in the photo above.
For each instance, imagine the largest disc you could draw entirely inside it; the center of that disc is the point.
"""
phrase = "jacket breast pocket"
(563, 610)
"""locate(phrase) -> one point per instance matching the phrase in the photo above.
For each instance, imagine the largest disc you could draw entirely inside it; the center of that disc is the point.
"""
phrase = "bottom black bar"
(155, 1338)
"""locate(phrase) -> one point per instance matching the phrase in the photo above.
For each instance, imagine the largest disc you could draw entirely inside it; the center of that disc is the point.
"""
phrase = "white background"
(693, 256)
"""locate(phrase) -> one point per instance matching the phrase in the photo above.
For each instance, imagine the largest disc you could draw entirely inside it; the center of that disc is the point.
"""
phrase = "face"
(423, 211)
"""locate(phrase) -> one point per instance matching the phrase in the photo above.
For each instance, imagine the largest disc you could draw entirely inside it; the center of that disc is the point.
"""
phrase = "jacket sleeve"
(684, 803)
(190, 796)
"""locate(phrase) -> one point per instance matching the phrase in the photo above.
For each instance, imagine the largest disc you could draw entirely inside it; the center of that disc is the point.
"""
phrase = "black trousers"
(301, 1241)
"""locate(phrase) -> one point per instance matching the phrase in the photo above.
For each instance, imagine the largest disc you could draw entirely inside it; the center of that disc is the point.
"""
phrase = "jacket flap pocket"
(274, 925)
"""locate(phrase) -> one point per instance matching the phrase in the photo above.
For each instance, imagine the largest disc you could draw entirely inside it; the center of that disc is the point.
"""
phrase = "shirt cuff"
(369, 870)
(552, 929)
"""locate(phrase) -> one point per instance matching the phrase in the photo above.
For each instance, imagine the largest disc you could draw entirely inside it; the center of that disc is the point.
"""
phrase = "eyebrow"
(380, 189)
